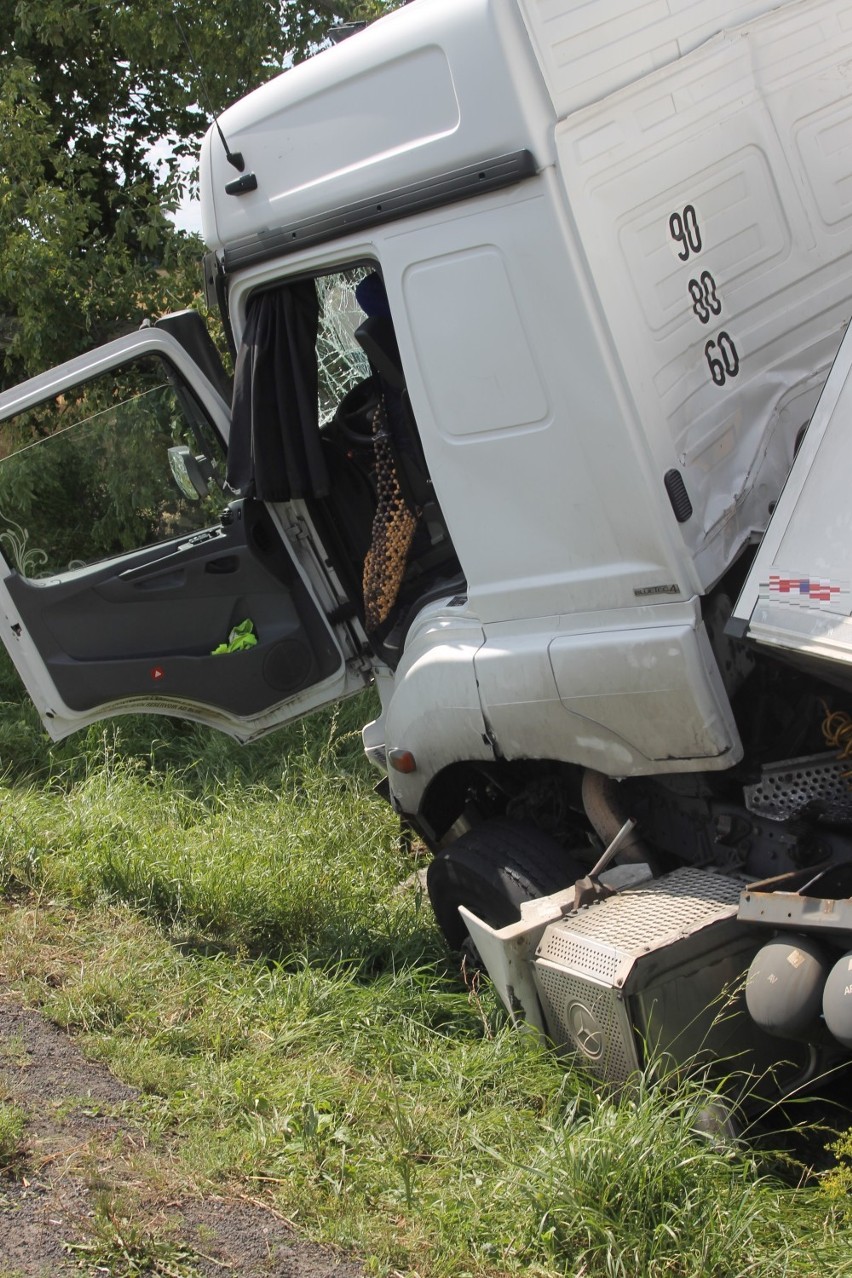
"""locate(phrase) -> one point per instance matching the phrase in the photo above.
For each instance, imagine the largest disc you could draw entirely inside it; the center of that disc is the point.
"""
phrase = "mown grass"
(241, 936)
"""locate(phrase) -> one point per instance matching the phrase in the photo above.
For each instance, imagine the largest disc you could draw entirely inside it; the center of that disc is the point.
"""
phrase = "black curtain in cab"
(274, 452)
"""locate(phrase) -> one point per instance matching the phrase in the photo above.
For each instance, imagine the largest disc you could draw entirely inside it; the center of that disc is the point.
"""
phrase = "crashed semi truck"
(541, 424)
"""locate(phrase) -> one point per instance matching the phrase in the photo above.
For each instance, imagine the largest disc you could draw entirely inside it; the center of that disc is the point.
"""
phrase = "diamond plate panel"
(818, 784)
(604, 940)
(588, 1019)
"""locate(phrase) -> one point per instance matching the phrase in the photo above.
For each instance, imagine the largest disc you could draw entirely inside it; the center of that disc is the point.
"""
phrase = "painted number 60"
(722, 358)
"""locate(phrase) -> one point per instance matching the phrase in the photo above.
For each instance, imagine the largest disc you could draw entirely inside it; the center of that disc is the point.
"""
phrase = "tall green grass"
(241, 935)
(309, 866)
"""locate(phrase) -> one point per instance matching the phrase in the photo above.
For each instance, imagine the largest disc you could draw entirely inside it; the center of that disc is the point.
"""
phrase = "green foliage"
(164, 749)
(634, 1190)
(87, 476)
(83, 255)
(837, 1183)
(392, 1112)
(118, 1245)
(101, 108)
(240, 934)
(87, 91)
(309, 866)
(12, 1123)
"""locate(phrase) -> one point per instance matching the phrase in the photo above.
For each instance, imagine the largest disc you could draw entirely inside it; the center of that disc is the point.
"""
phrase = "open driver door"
(123, 567)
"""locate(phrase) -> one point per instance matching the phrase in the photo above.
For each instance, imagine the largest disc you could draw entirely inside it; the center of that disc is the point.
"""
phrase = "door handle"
(225, 564)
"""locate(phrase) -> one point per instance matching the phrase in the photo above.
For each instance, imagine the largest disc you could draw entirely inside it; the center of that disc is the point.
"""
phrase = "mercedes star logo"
(585, 1030)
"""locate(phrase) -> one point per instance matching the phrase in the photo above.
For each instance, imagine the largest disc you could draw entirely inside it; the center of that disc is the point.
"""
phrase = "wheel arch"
(467, 792)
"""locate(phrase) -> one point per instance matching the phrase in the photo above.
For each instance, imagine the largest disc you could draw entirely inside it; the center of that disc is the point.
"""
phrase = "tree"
(87, 88)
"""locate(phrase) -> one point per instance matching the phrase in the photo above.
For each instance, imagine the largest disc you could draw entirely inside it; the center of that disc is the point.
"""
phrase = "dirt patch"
(61, 1202)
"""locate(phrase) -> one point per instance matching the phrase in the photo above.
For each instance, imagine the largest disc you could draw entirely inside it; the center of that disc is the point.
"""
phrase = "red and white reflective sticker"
(157, 672)
(804, 591)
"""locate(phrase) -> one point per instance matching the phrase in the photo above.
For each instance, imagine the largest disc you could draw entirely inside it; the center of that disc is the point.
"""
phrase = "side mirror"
(190, 473)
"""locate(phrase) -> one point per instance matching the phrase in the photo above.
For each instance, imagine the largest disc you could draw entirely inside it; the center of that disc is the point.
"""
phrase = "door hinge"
(297, 529)
(361, 666)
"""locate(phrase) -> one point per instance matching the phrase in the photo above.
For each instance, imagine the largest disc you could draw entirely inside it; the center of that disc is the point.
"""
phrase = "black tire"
(493, 869)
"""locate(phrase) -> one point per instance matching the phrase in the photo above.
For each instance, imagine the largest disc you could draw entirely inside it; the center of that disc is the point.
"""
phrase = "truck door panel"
(149, 623)
(118, 583)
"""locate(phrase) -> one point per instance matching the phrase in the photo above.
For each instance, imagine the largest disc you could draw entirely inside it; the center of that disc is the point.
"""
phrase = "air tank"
(837, 1000)
(784, 987)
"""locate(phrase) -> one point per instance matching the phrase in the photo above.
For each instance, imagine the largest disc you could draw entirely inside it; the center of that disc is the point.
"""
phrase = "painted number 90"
(684, 230)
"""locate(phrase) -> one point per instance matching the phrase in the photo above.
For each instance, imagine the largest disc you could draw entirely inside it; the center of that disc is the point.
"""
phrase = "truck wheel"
(492, 869)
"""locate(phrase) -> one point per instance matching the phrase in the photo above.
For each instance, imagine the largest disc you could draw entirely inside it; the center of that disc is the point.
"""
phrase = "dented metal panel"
(712, 201)
(798, 594)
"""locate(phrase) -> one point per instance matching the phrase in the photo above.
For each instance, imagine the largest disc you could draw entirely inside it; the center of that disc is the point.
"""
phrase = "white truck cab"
(534, 305)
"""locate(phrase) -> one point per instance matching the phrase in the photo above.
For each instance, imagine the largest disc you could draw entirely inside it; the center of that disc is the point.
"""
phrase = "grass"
(12, 1123)
(118, 1245)
(240, 936)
